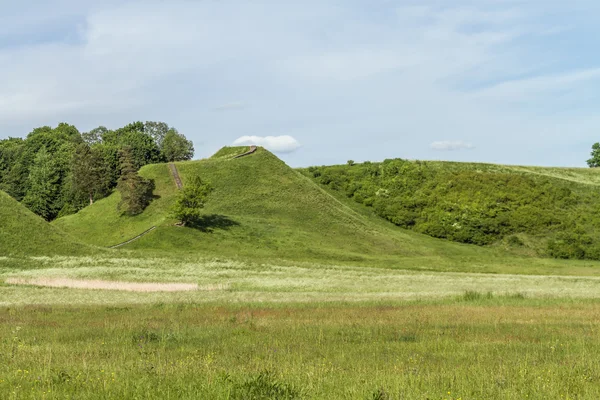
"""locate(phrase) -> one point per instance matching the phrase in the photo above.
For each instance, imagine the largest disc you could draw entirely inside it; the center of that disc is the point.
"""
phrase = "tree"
(594, 162)
(191, 200)
(157, 131)
(175, 147)
(43, 186)
(136, 192)
(143, 148)
(89, 172)
(94, 136)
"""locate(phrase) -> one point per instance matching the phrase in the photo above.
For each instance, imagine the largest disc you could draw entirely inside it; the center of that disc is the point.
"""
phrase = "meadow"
(473, 346)
(302, 293)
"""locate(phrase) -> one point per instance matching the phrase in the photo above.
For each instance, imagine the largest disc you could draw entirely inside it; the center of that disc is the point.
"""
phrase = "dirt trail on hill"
(106, 285)
(176, 176)
(252, 150)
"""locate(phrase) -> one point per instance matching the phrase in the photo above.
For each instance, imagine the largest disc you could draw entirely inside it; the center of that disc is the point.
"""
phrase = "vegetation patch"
(475, 203)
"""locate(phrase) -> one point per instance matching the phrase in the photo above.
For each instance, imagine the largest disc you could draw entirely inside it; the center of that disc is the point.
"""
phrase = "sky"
(317, 81)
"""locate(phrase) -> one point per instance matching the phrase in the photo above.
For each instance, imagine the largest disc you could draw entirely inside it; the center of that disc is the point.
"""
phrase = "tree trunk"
(91, 199)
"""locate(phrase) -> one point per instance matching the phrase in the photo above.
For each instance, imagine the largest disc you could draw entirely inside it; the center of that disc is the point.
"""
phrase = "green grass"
(228, 281)
(103, 225)
(24, 233)
(260, 209)
(229, 152)
(496, 348)
(552, 211)
(286, 306)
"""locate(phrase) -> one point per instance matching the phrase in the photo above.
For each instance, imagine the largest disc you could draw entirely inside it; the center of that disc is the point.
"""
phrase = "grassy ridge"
(543, 211)
(24, 233)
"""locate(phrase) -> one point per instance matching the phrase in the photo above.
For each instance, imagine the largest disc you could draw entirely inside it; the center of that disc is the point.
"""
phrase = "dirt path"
(134, 239)
(176, 177)
(252, 150)
(104, 285)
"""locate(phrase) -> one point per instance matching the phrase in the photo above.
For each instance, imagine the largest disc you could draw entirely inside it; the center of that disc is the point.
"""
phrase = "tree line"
(58, 171)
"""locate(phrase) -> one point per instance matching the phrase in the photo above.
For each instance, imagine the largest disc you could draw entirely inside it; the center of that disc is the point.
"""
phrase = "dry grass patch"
(105, 285)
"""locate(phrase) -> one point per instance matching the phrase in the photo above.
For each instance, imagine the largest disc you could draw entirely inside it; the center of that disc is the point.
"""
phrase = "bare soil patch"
(104, 285)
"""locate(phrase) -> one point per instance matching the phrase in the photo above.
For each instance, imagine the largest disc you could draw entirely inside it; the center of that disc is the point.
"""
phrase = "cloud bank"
(277, 144)
(451, 146)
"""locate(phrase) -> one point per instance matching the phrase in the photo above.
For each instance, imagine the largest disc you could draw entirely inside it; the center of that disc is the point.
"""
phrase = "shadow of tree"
(208, 223)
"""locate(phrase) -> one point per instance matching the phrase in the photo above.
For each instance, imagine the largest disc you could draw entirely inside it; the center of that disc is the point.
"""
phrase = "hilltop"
(24, 233)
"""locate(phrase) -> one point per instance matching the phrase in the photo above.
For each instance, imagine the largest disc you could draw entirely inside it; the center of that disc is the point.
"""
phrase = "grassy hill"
(543, 211)
(260, 209)
(24, 233)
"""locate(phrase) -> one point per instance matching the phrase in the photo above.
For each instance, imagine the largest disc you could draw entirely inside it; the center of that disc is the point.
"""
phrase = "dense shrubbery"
(58, 171)
(473, 204)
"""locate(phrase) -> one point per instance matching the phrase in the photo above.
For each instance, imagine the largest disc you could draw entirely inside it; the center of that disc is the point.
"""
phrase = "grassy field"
(465, 348)
(302, 294)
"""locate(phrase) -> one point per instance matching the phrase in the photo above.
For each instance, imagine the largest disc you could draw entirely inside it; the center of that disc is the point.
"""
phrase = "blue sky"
(512, 81)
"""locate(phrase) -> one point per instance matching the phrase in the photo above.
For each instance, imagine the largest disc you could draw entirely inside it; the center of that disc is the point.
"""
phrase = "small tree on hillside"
(188, 208)
(136, 192)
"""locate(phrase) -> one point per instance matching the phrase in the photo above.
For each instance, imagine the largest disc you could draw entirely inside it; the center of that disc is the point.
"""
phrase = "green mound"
(552, 211)
(261, 208)
(24, 233)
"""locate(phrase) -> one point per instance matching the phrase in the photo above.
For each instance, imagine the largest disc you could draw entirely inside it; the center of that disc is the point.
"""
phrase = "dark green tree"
(191, 200)
(89, 175)
(43, 186)
(594, 162)
(176, 147)
(136, 192)
(144, 149)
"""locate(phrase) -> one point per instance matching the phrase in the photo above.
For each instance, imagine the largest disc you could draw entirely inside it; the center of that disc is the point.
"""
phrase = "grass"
(24, 233)
(304, 294)
(501, 348)
(230, 281)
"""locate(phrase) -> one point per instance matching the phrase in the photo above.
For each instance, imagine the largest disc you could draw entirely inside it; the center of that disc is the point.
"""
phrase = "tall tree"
(188, 208)
(143, 148)
(43, 186)
(94, 136)
(176, 147)
(157, 131)
(136, 192)
(89, 172)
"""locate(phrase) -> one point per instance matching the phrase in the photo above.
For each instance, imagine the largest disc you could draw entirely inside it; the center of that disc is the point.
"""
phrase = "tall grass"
(450, 350)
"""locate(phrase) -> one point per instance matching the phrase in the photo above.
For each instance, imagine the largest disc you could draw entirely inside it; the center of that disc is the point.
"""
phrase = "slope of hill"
(263, 209)
(550, 211)
(24, 233)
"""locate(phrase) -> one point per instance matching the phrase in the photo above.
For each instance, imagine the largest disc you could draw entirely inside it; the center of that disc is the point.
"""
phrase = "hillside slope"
(24, 233)
(548, 211)
(263, 209)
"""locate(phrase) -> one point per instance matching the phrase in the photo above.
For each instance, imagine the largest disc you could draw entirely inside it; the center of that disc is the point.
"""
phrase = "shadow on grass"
(208, 223)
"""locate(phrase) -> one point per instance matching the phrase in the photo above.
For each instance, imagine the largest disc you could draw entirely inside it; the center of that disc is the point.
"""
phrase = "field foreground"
(470, 347)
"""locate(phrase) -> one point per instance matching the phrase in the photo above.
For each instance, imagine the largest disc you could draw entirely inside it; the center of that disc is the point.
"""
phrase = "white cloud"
(278, 144)
(451, 145)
